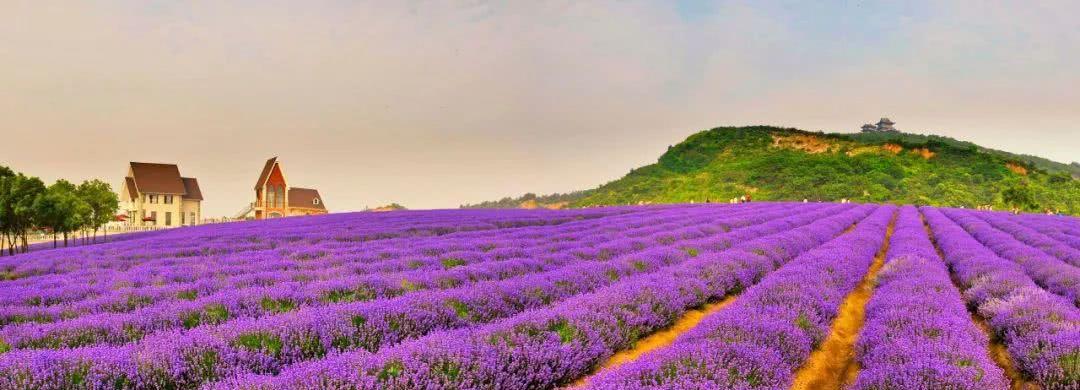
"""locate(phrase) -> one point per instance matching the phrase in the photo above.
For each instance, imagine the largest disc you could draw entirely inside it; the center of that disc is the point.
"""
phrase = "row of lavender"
(1055, 274)
(770, 330)
(580, 289)
(1041, 330)
(257, 268)
(545, 348)
(918, 332)
(190, 250)
(265, 300)
(1033, 237)
(58, 305)
(19, 364)
(216, 275)
(1064, 230)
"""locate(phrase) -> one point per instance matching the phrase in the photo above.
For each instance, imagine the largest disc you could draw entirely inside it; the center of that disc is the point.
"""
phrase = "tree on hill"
(1020, 196)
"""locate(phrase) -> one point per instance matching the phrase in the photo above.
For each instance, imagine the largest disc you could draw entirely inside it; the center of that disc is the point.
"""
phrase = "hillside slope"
(788, 164)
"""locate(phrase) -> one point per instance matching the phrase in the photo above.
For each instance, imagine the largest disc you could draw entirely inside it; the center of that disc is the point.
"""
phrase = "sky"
(432, 104)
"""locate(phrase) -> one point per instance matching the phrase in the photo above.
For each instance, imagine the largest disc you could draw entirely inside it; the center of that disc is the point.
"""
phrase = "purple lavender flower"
(918, 333)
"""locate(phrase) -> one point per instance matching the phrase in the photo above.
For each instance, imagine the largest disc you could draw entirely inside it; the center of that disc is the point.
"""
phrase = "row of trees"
(62, 208)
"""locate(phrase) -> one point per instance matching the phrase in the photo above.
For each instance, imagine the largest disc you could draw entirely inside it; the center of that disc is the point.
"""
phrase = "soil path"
(658, 339)
(833, 364)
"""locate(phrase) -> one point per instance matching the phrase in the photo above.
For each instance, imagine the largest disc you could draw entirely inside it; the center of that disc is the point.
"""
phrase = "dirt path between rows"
(658, 339)
(832, 365)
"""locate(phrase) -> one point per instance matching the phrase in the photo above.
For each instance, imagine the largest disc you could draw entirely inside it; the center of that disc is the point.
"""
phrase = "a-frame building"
(274, 197)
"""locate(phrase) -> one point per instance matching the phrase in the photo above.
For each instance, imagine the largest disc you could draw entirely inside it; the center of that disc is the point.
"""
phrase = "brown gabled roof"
(157, 178)
(305, 198)
(265, 172)
(192, 187)
(133, 192)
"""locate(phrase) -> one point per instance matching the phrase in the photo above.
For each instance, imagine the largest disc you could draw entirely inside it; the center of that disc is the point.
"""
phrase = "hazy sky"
(433, 104)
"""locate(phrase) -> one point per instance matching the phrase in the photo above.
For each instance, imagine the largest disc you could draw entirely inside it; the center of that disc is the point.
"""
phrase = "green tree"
(5, 174)
(1020, 196)
(62, 210)
(102, 201)
(18, 193)
(49, 212)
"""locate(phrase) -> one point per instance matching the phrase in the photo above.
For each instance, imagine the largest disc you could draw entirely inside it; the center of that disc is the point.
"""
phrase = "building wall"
(192, 210)
(131, 208)
(145, 208)
(296, 211)
(273, 208)
(137, 208)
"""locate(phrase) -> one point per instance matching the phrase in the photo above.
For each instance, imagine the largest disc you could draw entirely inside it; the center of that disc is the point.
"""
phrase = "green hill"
(773, 163)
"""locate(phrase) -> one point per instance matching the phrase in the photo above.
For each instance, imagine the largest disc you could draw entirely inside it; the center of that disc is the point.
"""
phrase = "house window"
(281, 197)
(193, 220)
(315, 201)
(181, 218)
(168, 218)
(153, 217)
(153, 199)
(168, 199)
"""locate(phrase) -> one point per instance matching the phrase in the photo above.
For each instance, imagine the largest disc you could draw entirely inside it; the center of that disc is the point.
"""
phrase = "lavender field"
(733, 296)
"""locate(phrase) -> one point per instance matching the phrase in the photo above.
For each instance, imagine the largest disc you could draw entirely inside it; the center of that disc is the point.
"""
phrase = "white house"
(156, 195)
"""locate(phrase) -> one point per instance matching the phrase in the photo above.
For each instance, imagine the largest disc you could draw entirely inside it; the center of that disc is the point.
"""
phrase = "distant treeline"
(390, 207)
(26, 204)
(510, 203)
